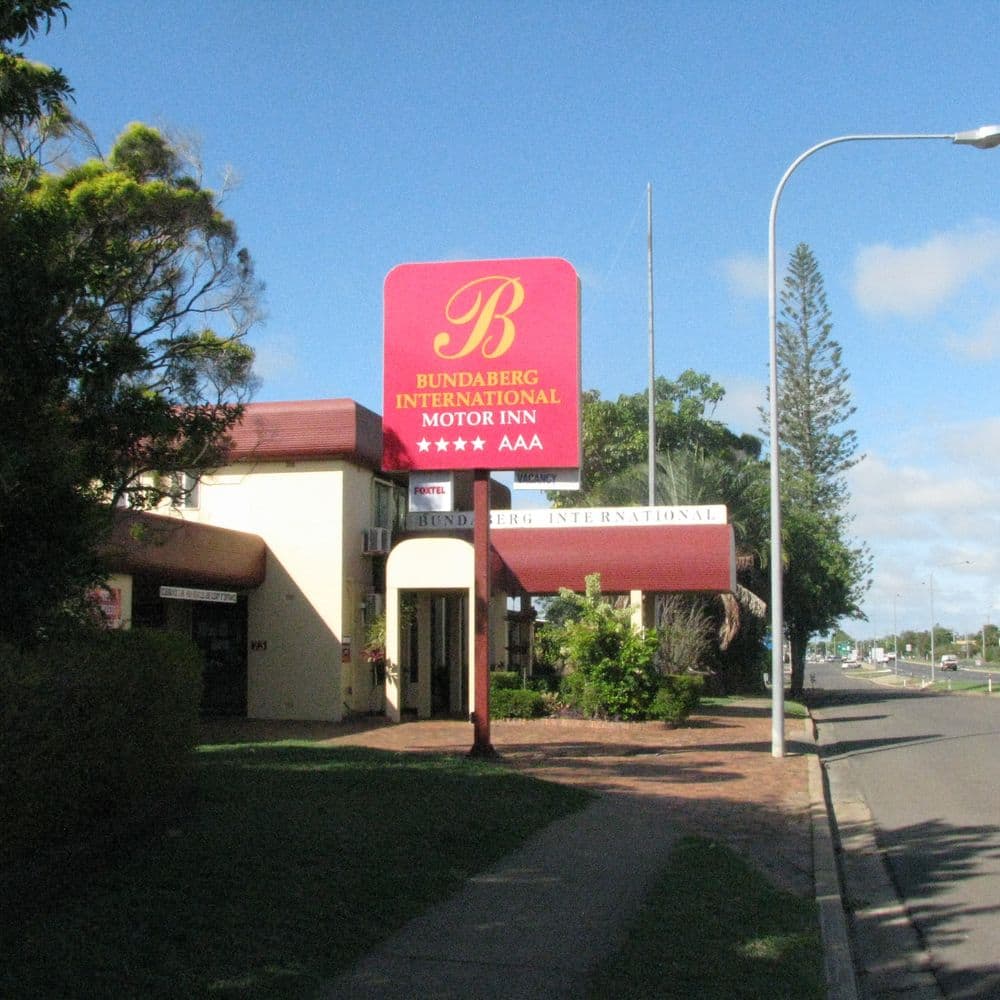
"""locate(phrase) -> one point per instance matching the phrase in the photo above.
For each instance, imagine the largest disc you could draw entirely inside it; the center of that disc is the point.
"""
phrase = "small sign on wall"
(194, 594)
(547, 479)
(446, 520)
(432, 491)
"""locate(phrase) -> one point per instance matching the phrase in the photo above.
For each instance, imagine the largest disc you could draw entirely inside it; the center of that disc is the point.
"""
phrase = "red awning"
(184, 552)
(652, 558)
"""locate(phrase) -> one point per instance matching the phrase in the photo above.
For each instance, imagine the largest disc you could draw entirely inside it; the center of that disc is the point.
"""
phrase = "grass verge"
(714, 927)
(948, 683)
(295, 859)
(793, 709)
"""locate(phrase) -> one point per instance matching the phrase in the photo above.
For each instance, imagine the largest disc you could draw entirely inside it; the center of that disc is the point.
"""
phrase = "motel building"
(277, 563)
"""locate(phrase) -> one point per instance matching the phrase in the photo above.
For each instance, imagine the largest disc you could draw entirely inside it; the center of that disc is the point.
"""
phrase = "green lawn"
(293, 860)
(715, 928)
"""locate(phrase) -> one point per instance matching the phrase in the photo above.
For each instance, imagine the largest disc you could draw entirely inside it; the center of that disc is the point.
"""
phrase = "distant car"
(949, 662)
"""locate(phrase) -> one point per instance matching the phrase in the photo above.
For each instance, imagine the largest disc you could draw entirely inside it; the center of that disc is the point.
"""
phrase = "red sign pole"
(481, 745)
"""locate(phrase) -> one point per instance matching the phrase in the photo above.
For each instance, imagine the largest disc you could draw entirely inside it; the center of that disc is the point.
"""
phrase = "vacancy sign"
(482, 365)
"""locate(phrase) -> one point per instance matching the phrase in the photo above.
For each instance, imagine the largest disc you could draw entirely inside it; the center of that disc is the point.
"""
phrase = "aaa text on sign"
(482, 365)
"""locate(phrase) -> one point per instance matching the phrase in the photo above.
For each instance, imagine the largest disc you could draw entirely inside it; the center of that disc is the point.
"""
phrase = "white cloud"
(973, 444)
(915, 281)
(746, 276)
(276, 357)
(982, 343)
(739, 408)
(931, 506)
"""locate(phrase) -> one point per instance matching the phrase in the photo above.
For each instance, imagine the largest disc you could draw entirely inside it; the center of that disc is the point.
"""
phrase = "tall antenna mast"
(652, 378)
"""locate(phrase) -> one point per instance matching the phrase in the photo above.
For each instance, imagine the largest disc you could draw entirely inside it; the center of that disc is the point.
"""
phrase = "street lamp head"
(987, 137)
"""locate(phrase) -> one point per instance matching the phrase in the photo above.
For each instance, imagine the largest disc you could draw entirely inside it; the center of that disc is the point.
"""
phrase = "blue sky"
(365, 135)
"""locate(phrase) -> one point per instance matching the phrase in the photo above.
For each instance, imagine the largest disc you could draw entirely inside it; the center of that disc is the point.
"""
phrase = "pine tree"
(826, 574)
(814, 400)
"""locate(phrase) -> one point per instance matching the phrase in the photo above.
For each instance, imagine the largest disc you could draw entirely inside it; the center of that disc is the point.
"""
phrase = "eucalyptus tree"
(125, 300)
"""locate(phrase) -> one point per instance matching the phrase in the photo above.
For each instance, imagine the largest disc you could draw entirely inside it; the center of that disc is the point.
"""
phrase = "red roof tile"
(308, 429)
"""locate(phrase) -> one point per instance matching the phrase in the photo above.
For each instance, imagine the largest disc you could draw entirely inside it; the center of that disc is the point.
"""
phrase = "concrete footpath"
(531, 926)
(535, 924)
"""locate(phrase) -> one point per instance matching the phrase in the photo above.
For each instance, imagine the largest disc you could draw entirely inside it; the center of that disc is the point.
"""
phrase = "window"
(388, 505)
(184, 490)
(192, 487)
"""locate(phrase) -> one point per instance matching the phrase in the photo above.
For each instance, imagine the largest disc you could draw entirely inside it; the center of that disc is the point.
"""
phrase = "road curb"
(889, 957)
(838, 963)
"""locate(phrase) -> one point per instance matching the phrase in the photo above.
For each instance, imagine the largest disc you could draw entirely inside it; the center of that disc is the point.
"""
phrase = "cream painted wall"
(358, 506)
(427, 564)
(311, 515)
(420, 564)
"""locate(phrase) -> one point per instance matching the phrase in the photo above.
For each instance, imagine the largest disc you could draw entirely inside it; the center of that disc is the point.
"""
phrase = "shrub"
(544, 677)
(685, 632)
(98, 731)
(501, 680)
(677, 697)
(617, 664)
(511, 703)
(571, 690)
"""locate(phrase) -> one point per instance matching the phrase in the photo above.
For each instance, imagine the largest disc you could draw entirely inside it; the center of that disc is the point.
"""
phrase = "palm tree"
(691, 478)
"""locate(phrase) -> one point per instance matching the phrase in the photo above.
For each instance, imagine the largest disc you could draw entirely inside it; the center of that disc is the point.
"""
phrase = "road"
(967, 671)
(927, 767)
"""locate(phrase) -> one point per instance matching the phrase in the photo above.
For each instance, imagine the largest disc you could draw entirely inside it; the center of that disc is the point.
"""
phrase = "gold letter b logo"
(480, 314)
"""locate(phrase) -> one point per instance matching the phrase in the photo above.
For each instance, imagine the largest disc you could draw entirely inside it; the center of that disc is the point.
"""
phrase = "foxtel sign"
(482, 365)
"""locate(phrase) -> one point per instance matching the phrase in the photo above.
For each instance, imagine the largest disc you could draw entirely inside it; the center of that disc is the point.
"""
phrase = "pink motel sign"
(482, 365)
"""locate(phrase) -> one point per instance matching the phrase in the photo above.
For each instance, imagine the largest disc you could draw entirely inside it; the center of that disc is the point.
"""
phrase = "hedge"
(677, 697)
(508, 703)
(505, 680)
(98, 733)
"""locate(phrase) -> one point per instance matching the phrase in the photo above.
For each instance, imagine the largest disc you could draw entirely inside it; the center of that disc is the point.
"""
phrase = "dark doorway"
(220, 632)
(449, 661)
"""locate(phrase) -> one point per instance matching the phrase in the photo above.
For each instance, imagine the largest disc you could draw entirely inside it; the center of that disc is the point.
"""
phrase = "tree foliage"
(692, 477)
(814, 399)
(825, 574)
(615, 665)
(616, 433)
(825, 580)
(700, 462)
(125, 298)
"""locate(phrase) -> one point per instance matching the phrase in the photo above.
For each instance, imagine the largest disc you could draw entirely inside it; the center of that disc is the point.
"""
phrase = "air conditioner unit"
(376, 541)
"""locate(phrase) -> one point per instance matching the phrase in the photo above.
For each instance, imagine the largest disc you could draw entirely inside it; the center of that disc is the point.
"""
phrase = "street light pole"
(895, 637)
(961, 562)
(986, 137)
(932, 627)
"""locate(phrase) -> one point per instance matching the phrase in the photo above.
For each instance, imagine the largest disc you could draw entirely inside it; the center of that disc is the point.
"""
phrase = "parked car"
(949, 662)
